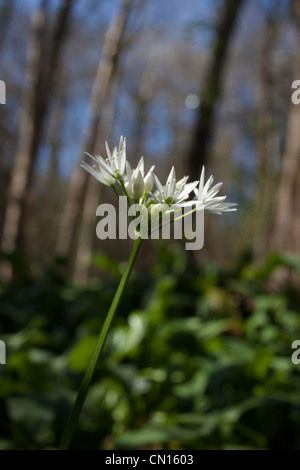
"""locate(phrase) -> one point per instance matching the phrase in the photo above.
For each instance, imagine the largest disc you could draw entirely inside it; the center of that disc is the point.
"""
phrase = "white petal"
(108, 180)
(208, 184)
(106, 167)
(182, 182)
(108, 150)
(140, 166)
(201, 182)
(172, 175)
(128, 171)
(187, 189)
(122, 156)
(214, 190)
(158, 184)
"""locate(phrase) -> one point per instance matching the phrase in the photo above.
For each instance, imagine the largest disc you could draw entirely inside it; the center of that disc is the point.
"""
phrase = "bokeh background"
(199, 356)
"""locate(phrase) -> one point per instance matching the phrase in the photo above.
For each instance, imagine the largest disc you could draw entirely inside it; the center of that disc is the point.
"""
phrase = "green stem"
(86, 381)
(125, 192)
(115, 191)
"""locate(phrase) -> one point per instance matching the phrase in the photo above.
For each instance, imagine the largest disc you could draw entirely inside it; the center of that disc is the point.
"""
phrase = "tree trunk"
(68, 233)
(285, 235)
(51, 198)
(41, 72)
(6, 12)
(267, 141)
(212, 87)
(86, 236)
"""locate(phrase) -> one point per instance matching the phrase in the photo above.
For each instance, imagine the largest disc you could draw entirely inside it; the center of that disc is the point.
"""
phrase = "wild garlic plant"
(155, 198)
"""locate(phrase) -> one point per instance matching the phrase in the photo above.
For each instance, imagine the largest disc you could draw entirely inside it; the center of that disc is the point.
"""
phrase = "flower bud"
(128, 188)
(138, 186)
(148, 181)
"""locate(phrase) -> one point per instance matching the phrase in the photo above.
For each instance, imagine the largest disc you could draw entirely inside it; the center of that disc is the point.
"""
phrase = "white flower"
(111, 169)
(136, 183)
(206, 195)
(98, 173)
(173, 193)
(169, 197)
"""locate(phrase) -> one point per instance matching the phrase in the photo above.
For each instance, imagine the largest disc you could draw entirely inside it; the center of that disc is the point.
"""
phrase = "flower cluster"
(147, 189)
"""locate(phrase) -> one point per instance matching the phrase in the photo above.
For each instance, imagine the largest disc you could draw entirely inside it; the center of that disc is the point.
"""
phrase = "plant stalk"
(88, 376)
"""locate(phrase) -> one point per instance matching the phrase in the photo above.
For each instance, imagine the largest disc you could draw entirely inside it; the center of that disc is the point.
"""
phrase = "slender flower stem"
(115, 191)
(86, 381)
(125, 192)
(128, 198)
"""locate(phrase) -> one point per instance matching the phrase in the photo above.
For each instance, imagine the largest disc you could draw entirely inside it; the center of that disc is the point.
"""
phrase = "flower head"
(206, 195)
(170, 197)
(109, 170)
(173, 193)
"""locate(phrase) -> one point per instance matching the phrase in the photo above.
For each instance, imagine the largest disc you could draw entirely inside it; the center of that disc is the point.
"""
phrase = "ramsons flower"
(155, 207)
(206, 195)
(112, 168)
(136, 183)
(174, 193)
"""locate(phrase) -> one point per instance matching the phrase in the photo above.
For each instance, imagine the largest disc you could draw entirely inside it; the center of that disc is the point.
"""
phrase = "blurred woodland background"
(200, 354)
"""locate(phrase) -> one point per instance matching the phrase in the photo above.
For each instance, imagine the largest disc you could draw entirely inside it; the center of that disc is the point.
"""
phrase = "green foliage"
(196, 359)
